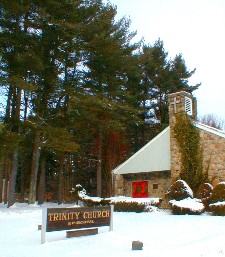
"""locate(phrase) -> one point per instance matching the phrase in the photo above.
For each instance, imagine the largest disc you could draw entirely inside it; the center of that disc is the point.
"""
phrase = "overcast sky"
(195, 28)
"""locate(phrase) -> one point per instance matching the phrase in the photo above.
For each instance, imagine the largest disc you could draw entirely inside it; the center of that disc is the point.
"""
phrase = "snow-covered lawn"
(162, 234)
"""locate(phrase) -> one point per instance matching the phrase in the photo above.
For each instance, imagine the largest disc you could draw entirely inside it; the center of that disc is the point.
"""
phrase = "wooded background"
(78, 96)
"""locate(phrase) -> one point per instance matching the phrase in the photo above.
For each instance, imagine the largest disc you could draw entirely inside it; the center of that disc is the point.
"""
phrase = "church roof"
(154, 156)
(209, 129)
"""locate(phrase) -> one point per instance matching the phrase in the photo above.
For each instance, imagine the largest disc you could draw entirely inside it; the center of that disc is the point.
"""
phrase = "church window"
(155, 186)
(188, 105)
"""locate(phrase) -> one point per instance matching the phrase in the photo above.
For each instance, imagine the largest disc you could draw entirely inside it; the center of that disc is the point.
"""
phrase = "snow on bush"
(181, 199)
(187, 206)
(128, 204)
(121, 203)
(218, 208)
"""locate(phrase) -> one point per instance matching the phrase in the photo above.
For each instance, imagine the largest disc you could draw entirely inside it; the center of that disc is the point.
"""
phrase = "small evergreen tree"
(188, 140)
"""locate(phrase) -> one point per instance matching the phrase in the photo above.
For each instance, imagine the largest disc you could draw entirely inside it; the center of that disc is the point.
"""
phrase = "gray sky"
(195, 28)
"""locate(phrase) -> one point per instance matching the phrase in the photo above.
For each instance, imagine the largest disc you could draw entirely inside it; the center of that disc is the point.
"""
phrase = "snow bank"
(162, 234)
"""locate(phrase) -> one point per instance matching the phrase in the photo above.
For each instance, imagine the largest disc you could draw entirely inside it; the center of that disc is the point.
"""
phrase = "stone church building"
(151, 170)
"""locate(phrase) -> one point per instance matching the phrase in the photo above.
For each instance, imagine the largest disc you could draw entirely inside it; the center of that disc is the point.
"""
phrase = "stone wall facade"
(118, 185)
(158, 183)
(213, 156)
(213, 145)
(177, 105)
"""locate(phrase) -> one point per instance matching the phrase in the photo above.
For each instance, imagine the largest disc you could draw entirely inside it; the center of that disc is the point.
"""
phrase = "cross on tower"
(175, 101)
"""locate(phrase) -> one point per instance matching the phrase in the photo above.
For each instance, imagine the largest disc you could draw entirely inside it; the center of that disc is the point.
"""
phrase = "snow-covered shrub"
(218, 208)
(191, 206)
(78, 192)
(129, 204)
(124, 206)
(95, 201)
(204, 193)
(217, 199)
(218, 193)
(179, 191)
(119, 205)
(91, 201)
(181, 199)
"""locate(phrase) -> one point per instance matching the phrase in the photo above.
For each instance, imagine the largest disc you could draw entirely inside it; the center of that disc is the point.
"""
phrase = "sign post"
(111, 218)
(43, 227)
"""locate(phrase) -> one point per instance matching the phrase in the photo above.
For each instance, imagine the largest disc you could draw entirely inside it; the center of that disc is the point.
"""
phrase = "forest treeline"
(78, 96)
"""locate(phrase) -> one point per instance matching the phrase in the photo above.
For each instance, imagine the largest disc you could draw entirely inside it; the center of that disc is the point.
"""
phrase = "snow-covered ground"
(162, 234)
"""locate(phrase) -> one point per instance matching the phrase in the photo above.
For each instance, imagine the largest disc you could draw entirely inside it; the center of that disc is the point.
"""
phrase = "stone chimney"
(180, 102)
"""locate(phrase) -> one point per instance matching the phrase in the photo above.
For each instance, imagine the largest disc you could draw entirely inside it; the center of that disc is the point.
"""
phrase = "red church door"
(140, 189)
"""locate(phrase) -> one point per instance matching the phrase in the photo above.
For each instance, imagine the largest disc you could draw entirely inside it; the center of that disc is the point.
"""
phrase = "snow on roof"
(210, 129)
(154, 156)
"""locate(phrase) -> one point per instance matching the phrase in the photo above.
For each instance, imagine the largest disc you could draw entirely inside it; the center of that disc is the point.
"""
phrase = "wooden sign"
(55, 219)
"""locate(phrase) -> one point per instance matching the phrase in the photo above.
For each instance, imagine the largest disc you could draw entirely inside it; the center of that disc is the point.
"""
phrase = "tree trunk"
(42, 181)
(1, 183)
(12, 178)
(6, 184)
(8, 103)
(99, 166)
(7, 171)
(22, 184)
(34, 168)
(60, 185)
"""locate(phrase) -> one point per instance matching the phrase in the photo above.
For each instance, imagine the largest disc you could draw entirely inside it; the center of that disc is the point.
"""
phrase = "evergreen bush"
(217, 199)
(129, 206)
(204, 193)
(181, 199)
(77, 192)
(218, 208)
(218, 193)
(179, 191)
(91, 202)
(188, 140)
(121, 205)
(178, 208)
